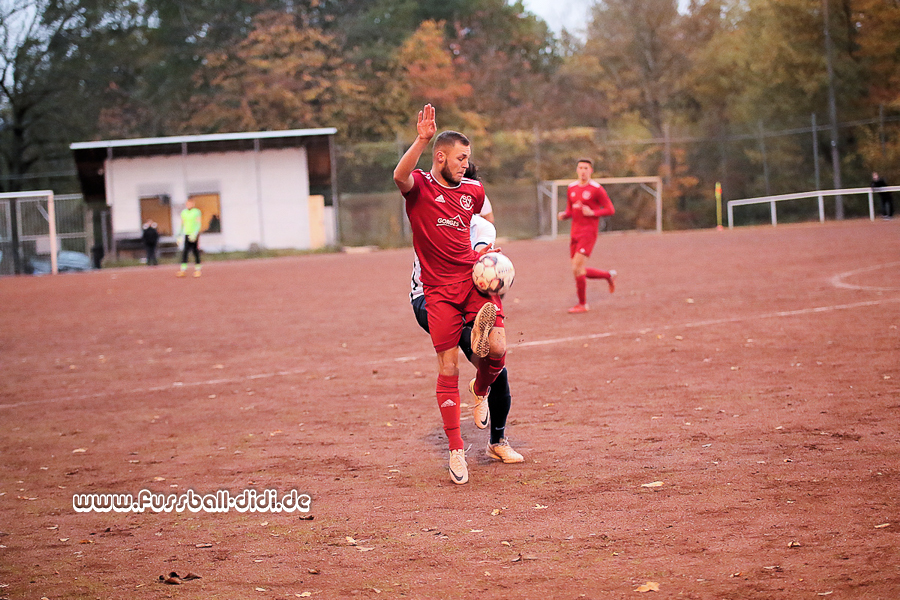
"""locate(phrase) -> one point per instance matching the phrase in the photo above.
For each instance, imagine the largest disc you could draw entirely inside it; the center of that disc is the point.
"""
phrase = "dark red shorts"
(582, 244)
(452, 306)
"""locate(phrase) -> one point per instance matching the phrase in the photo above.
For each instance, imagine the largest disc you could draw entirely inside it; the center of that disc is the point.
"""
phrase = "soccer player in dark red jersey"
(586, 203)
(440, 204)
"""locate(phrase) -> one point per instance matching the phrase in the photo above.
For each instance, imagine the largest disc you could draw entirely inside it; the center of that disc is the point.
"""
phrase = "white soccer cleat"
(480, 410)
(481, 329)
(459, 470)
(502, 451)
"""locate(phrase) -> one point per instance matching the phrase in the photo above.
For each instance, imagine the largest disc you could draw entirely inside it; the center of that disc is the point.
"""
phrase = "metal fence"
(27, 241)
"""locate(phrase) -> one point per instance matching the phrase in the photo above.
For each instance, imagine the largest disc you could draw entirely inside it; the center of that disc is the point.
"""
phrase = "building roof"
(90, 157)
(205, 138)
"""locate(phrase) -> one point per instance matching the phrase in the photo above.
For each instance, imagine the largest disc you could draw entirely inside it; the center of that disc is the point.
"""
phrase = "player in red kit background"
(440, 204)
(586, 203)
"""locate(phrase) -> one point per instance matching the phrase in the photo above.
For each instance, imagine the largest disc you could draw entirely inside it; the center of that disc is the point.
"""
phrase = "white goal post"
(50, 216)
(551, 188)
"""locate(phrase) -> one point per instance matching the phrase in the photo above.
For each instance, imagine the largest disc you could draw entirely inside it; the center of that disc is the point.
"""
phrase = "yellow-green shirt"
(191, 221)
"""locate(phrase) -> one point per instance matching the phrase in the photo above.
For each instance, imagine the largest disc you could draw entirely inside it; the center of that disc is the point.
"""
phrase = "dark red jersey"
(440, 218)
(593, 196)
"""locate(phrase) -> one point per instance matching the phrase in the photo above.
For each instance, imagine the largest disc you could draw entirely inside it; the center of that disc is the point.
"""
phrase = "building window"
(159, 209)
(211, 210)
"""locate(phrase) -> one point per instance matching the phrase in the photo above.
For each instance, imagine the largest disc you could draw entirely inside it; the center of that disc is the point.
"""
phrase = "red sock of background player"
(581, 286)
(448, 402)
(488, 369)
(592, 273)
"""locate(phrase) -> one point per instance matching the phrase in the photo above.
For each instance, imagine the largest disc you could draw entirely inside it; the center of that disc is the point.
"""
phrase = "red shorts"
(582, 244)
(452, 306)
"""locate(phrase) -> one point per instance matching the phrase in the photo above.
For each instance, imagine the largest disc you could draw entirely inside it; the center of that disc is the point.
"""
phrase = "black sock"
(499, 401)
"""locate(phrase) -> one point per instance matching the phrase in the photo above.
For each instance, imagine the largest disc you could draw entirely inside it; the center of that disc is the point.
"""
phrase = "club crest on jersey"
(586, 195)
(467, 201)
(454, 222)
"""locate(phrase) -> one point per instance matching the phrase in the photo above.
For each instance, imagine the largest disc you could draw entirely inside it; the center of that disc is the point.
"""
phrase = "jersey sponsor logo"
(448, 403)
(454, 222)
(440, 198)
(467, 201)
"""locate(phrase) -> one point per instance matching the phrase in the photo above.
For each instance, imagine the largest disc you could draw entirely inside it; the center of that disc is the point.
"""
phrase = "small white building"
(267, 189)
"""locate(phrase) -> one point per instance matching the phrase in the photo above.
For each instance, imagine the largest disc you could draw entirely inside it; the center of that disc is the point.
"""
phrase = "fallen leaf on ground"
(304, 595)
(654, 484)
(350, 541)
(650, 586)
(79, 450)
(203, 545)
(312, 571)
(364, 548)
(539, 506)
(882, 526)
(793, 544)
(191, 576)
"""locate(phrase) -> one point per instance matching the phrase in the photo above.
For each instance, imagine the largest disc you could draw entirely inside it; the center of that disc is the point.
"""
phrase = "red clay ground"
(754, 373)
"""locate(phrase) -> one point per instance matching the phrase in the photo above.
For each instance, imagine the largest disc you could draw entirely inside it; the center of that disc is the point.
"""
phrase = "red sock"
(488, 369)
(448, 402)
(581, 286)
(596, 274)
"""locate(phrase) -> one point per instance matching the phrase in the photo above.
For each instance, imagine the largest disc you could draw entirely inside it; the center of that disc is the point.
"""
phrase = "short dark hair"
(586, 160)
(450, 138)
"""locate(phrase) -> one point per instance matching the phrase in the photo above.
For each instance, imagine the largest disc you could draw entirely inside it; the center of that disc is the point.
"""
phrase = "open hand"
(426, 125)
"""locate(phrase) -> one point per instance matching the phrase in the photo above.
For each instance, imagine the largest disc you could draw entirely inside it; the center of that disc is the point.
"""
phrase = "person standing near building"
(150, 237)
(191, 222)
(586, 203)
(887, 199)
(440, 204)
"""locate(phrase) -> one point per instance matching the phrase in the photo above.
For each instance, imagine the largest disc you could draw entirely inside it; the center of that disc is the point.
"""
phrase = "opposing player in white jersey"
(495, 407)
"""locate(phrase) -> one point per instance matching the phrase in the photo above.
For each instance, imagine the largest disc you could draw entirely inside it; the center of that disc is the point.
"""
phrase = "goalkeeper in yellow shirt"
(191, 222)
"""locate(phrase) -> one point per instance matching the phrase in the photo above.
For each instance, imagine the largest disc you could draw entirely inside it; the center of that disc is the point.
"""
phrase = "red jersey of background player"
(440, 218)
(594, 197)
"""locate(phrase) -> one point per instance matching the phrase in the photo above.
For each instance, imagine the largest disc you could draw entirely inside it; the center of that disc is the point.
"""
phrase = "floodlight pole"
(832, 114)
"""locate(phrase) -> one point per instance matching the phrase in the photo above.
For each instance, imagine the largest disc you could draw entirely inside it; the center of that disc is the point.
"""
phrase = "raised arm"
(426, 127)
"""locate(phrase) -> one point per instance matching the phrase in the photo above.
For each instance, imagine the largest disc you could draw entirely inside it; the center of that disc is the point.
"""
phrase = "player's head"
(451, 156)
(189, 203)
(584, 169)
(471, 171)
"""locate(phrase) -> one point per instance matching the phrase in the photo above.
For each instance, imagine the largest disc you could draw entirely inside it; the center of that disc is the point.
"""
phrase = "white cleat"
(459, 470)
(481, 329)
(502, 451)
(480, 410)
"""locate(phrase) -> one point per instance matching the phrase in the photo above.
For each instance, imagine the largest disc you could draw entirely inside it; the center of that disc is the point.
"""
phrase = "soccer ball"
(493, 274)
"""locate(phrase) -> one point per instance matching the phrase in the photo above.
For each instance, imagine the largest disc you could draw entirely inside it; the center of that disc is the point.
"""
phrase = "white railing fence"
(819, 194)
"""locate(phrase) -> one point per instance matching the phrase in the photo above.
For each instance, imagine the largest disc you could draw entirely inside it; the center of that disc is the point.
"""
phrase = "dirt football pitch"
(726, 425)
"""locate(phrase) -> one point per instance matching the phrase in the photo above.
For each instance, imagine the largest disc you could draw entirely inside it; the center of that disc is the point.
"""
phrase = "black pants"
(887, 205)
(151, 255)
(192, 247)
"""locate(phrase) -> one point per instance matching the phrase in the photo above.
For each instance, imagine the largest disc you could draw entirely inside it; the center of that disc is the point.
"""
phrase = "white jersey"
(481, 232)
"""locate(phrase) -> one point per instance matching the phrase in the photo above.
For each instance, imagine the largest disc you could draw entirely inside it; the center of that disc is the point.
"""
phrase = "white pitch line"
(536, 343)
(838, 280)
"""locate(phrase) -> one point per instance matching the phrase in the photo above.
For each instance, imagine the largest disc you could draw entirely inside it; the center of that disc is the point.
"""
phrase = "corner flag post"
(718, 206)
